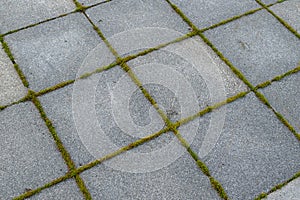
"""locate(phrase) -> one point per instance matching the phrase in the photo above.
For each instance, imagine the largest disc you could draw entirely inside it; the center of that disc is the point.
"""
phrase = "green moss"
(264, 84)
(38, 190)
(290, 28)
(38, 23)
(231, 19)
(83, 187)
(79, 6)
(56, 87)
(261, 196)
(17, 68)
(277, 187)
(185, 18)
(26, 98)
(218, 187)
(262, 98)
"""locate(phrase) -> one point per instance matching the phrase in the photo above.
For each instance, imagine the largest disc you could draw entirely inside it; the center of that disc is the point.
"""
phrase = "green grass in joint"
(218, 187)
(38, 190)
(290, 28)
(24, 99)
(231, 19)
(65, 155)
(277, 187)
(79, 6)
(56, 87)
(11, 57)
(51, 128)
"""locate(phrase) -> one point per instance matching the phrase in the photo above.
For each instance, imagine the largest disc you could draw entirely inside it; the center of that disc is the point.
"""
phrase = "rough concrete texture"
(18, 14)
(258, 45)
(29, 157)
(11, 86)
(53, 52)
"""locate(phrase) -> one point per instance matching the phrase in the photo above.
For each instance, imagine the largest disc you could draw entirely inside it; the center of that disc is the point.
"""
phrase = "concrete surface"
(105, 115)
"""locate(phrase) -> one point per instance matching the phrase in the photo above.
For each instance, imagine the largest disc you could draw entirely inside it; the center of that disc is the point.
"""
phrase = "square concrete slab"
(250, 152)
(290, 12)
(290, 192)
(105, 110)
(11, 86)
(186, 77)
(53, 52)
(17, 14)
(268, 1)
(284, 97)
(206, 13)
(90, 2)
(29, 157)
(180, 180)
(65, 190)
(118, 16)
(258, 45)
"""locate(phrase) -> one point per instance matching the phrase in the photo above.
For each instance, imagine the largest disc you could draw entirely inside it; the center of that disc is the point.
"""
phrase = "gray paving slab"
(11, 87)
(206, 13)
(269, 1)
(70, 110)
(180, 180)
(289, 11)
(17, 14)
(64, 190)
(29, 157)
(284, 97)
(175, 68)
(90, 2)
(258, 45)
(254, 151)
(290, 191)
(118, 16)
(53, 52)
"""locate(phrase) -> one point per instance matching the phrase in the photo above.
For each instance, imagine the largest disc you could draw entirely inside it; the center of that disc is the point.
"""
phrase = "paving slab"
(268, 1)
(118, 16)
(53, 52)
(90, 2)
(185, 70)
(71, 107)
(254, 151)
(258, 45)
(29, 157)
(11, 86)
(290, 192)
(17, 14)
(206, 13)
(290, 12)
(180, 180)
(284, 97)
(65, 190)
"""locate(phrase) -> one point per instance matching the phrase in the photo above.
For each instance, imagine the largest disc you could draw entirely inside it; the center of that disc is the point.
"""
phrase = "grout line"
(48, 185)
(250, 12)
(236, 71)
(31, 96)
(127, 69)
(38, 23)
(66, 156)
(130, 146)
(284, 23)
(278, 78)
(83, 168)
(231, 19)
(277, 187)
(215, 184)
(16, 66)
